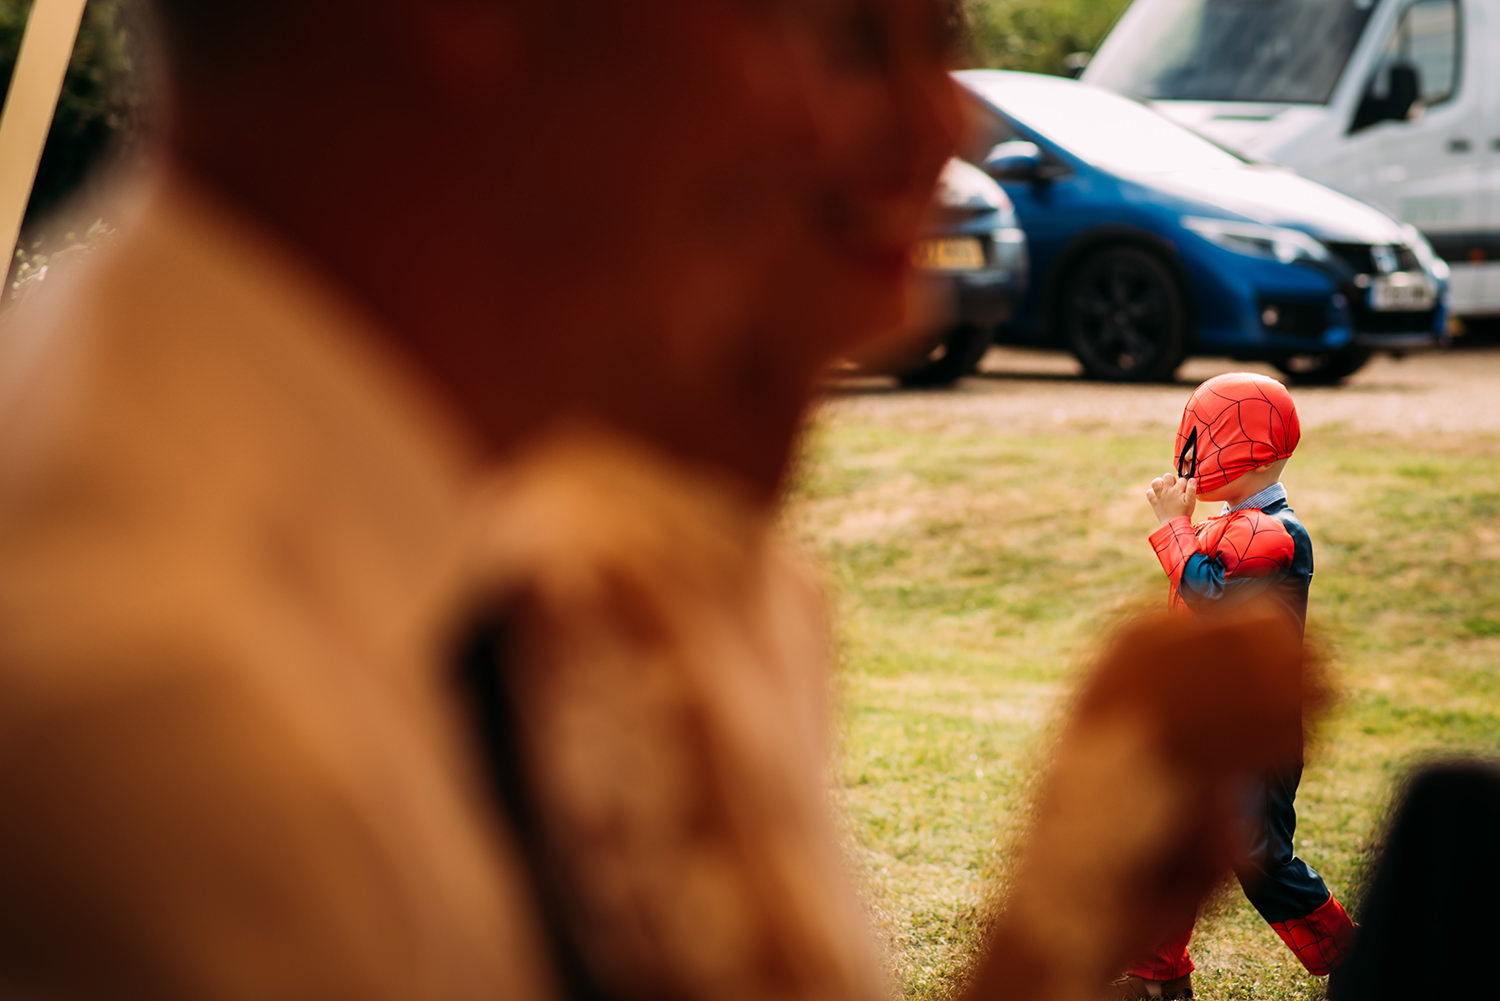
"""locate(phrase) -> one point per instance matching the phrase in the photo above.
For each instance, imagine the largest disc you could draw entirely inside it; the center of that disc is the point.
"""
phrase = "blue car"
(1148, 243)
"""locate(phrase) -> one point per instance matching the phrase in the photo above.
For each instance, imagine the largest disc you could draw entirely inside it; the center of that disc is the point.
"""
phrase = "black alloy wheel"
(957, 355)
(1124, 316)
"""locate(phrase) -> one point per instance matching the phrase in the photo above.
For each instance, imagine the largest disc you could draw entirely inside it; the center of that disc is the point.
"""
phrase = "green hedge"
(100, 113)
(101, 103)
(1036, 35)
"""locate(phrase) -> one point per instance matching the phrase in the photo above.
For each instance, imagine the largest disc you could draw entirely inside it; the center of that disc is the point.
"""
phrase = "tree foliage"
(102, 108)
(1036, 35)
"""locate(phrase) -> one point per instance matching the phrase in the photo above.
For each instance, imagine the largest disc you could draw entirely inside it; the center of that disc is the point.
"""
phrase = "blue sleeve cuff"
(1202, 580)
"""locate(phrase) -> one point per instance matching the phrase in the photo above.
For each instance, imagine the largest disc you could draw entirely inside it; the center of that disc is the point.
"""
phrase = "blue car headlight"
(1271, 242)
(1435, 265)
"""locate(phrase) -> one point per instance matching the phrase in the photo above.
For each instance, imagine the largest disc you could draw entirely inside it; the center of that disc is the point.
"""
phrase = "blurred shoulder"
(587, 508)
(617, 562)
(201, 433)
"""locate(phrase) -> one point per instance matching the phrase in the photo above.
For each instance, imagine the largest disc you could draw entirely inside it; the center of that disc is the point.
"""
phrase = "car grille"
(1376, 259)
(1362, 257)
(944, 216)
(1367, 321)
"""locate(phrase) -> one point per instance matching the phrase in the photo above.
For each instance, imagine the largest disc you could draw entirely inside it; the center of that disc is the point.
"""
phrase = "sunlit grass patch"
(973, 574)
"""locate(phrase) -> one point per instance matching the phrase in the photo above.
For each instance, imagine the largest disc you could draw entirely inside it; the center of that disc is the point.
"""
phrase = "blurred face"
(692, 187)
(889, 118)
(655, 164)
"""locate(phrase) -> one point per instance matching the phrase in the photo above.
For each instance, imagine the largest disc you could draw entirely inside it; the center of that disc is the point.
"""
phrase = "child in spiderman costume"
(1237, 432)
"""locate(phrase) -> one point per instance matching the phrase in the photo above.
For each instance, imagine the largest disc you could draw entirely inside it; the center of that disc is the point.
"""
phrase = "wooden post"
(46, 47)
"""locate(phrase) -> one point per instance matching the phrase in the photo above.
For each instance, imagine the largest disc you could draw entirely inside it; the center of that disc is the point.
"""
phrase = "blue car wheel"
(1124, 315)
(1326, 369)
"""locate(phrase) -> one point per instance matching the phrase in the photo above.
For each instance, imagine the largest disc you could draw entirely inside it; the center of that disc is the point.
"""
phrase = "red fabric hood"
(1232, 424)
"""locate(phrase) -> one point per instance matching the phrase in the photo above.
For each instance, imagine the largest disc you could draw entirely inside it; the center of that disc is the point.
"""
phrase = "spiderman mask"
(1234, 423)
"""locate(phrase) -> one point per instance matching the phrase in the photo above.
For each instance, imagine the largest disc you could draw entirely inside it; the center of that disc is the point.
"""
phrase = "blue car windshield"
(1099, 127)
(1272, 51)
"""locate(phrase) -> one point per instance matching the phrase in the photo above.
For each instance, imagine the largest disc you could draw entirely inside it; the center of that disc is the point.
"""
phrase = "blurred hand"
(1140, 814)
(1171, 497)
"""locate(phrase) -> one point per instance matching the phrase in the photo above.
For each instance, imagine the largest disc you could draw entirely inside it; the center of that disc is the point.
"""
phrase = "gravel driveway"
(1453, 390)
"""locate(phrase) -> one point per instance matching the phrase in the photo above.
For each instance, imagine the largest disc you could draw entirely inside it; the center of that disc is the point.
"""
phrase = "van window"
(1427, 38)
(1277, 51)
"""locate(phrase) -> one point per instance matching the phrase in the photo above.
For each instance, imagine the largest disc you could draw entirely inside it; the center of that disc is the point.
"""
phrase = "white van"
(1396, 102)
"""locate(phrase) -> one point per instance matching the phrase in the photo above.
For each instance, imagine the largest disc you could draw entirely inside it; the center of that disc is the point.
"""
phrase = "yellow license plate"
(950, 253)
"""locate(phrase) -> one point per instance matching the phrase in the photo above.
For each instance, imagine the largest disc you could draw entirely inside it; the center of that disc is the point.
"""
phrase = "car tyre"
(1125, 316)
(957, 355)
(1328, 369)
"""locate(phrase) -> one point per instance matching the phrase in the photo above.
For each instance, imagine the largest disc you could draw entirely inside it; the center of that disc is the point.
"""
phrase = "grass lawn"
(973, 573)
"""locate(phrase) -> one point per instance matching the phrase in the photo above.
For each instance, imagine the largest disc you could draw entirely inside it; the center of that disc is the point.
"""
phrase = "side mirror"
(1076, 62)
(1402, 91)
(1019, 160)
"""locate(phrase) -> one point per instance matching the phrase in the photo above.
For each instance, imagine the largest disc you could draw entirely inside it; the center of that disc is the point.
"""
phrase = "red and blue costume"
(1232, 424)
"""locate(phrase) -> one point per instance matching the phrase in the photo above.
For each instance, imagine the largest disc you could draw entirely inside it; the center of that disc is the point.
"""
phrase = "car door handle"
(1459, 146)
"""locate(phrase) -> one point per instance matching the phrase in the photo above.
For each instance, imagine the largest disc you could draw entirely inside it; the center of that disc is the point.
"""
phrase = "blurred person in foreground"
(1237, 432)
(1428, 909)
(392, 605)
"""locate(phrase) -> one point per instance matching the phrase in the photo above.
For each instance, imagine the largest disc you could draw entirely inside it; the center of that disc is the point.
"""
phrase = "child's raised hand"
(1171, 498)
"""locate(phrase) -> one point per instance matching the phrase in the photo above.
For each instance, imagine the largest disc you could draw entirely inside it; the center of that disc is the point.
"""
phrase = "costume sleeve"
(1251, 546)
(1174, 543)
(1254, 544)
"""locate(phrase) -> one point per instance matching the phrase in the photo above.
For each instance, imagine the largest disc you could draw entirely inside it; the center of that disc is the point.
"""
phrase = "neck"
(741, 420)
(1248, 486)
